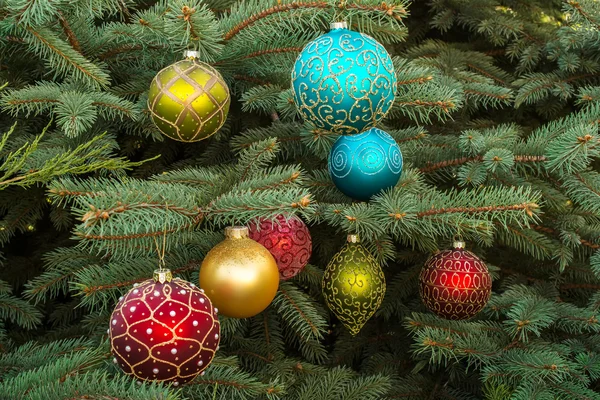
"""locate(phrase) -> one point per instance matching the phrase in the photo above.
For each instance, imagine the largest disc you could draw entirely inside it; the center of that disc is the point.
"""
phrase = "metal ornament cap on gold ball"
(353, 285)
(239, 275)
(189, 100)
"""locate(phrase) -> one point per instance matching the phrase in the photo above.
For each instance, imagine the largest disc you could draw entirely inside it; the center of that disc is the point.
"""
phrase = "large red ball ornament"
(288, 240)
(164, 330)
(455, 284)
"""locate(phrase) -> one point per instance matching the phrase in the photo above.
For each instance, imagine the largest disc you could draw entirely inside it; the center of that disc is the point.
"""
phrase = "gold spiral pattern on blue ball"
(343, 82)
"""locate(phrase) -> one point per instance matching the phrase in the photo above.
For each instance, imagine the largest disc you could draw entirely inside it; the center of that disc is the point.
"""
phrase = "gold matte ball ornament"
(239, 275)
(189, 100)
(353, 285)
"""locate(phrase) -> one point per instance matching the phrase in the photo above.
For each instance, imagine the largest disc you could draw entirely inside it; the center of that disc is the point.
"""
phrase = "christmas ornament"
(288, 241)
(239, 275)
(353, 285)
(188, 100)
(343, 81)
(164, 330)
(455, 284)
(365, 164)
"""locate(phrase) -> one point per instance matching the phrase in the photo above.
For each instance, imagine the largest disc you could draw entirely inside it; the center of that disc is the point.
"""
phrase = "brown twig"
(444, 105)
(69, 32)
(528, 207)
(273, 10)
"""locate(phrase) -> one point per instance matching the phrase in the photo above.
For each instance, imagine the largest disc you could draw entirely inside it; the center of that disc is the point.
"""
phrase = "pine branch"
(64, 58)
(270, 11)
(297, 311)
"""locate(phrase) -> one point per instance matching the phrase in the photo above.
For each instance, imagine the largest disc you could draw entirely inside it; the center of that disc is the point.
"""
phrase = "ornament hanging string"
(458, 237)
(161, 252)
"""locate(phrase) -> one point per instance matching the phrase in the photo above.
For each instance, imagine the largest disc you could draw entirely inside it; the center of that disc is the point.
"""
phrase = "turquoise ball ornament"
(343, 81)
(365, 164)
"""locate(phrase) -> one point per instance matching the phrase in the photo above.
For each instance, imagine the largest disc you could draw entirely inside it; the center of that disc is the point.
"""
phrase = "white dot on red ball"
(136, 291)
(156, 293)
(192, 285)
(149, 331)
(127, 349)
(200, 363)
(195, 323)
(216, 336)
(114, 321)
(202, 300)
(172, 313)
(132, 309)
(182, 292)
(155, 371)
(173, 351)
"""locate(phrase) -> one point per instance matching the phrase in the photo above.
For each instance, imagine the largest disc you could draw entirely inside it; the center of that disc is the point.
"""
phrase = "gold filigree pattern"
(288, 240)
(455, 284)
(164, 332)
(343, 82)
(188, 100)
(353, 286)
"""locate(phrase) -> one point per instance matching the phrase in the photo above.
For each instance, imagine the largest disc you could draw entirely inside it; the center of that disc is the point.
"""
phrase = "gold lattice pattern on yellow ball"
(188, 100)
(353, 286)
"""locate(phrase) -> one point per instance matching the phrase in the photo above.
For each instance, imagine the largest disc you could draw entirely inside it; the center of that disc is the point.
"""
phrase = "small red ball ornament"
(455, 284)
(164, 330)
(288, 240)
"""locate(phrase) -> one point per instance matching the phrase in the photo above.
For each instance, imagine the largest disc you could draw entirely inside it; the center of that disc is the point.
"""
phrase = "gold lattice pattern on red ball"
(455, 284)
(178, 321)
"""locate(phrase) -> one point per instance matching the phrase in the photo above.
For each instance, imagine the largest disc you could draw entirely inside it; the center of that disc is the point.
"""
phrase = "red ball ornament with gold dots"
(288, 240)
(455, 284)
(164, 330)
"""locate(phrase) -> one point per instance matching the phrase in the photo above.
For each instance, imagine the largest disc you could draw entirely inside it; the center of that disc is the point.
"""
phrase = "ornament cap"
(163, 275)
(338, 25)
(236, 232)
(353, 238)
(459, 244)
(191, 54)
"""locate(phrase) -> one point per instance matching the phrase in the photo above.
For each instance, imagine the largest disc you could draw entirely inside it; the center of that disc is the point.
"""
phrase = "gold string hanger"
(162, 274)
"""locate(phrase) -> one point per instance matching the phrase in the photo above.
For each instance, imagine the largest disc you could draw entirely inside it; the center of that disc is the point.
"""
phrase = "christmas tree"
(496, 114)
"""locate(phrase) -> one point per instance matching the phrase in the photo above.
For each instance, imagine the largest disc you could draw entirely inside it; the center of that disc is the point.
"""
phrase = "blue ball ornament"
(343, 82)
(365, 164)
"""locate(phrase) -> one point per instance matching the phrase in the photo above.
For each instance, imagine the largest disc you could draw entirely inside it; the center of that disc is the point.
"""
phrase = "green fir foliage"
(497, 112)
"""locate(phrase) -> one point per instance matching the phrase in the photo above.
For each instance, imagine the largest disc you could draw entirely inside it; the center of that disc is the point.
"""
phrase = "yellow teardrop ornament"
(353, 285)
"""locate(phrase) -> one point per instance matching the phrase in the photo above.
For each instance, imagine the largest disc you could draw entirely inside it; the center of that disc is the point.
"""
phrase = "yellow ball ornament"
(353, 285)
(189, 100)
(239, 275)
